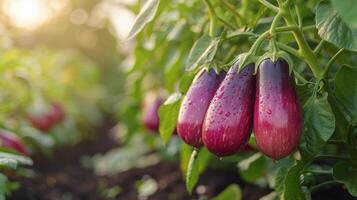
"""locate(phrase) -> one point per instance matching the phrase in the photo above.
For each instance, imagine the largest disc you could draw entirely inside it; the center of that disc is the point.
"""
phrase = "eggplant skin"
(277, 111)
(11, 141)
(229, 118)
(194, 106)
(150, 116)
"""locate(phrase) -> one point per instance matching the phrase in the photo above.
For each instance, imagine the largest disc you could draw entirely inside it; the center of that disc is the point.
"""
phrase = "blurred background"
(79, 101)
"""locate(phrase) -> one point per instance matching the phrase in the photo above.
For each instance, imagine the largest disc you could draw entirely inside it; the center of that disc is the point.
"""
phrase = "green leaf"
(146, 15)
(346, 91)
(168, 114)
(197, 164)
(292, 187)
(185, 82)
(8, 162)
(19, 158)
(347, 9)
(185, 154)
(192, 171)
(202, 52)
(282, 167)
(204, 158)
(319, 123)
(347, 174)
(232, 192)
(332, 29)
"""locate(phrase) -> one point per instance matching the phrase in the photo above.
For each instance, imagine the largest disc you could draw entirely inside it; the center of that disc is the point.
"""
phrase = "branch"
(269, 5)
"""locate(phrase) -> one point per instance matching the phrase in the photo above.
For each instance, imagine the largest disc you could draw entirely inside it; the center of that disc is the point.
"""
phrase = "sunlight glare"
(28, 14)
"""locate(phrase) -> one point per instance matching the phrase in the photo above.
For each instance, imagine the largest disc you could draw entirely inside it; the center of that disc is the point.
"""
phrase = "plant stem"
(331, 61)
(319, 47)
(269, 5)
(297, 10)
(241, 34)
(253, 50)
(229, 25)
(301, 78)
(275, 22)
(245, 8)
(213, 19)
(289, 49)
(304, 48)
(309, 27)
(286, 28)
(324, 184)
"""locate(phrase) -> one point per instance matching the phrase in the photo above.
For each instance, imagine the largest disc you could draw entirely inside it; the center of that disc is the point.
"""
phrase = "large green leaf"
(15, 157)
(185, 82)
(185, 153)
(287, 180)
(203, 51)
(319, 123)
(8, 162)
(198, 162)
(347, 9)
(146, 14)
(168, 114)
(332, 29)
(192, 174)
(292, 187)
(281, 170)
(232, 192)
(346, 91)
(347, 174)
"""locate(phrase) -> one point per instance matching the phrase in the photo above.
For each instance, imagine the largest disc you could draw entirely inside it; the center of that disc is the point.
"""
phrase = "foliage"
(318, 40)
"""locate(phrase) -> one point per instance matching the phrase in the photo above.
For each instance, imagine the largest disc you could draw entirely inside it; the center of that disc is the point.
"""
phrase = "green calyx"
(275, 56)
(245, 59)
(213, 66)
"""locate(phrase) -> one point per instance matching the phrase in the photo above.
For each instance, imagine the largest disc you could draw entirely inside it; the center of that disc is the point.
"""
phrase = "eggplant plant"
(291, 81)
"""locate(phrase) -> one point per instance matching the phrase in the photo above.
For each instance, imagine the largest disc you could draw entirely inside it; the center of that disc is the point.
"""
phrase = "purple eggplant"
(150, 116)
(11, 141)
(228, 120)
(277, 112)
(195, 104)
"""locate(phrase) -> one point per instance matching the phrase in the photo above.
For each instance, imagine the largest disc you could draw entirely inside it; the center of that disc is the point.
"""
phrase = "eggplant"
(11, 141)
(150, 117)
(56, 113)
(277, 111)
(194, 106)
(228, 122)
(43, 122)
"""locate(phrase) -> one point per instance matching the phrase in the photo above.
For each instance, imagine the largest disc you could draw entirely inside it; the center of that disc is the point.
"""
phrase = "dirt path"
(64, 178)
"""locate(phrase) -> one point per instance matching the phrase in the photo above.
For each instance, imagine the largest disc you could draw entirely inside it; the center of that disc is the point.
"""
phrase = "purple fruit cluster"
(220, 110)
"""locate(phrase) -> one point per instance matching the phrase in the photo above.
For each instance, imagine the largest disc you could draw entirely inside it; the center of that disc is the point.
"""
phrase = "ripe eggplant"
(194, 106)
(11, 141)
(56, 113)
(43, 122)
(228, 120)
(277, 112)
(150, 116)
